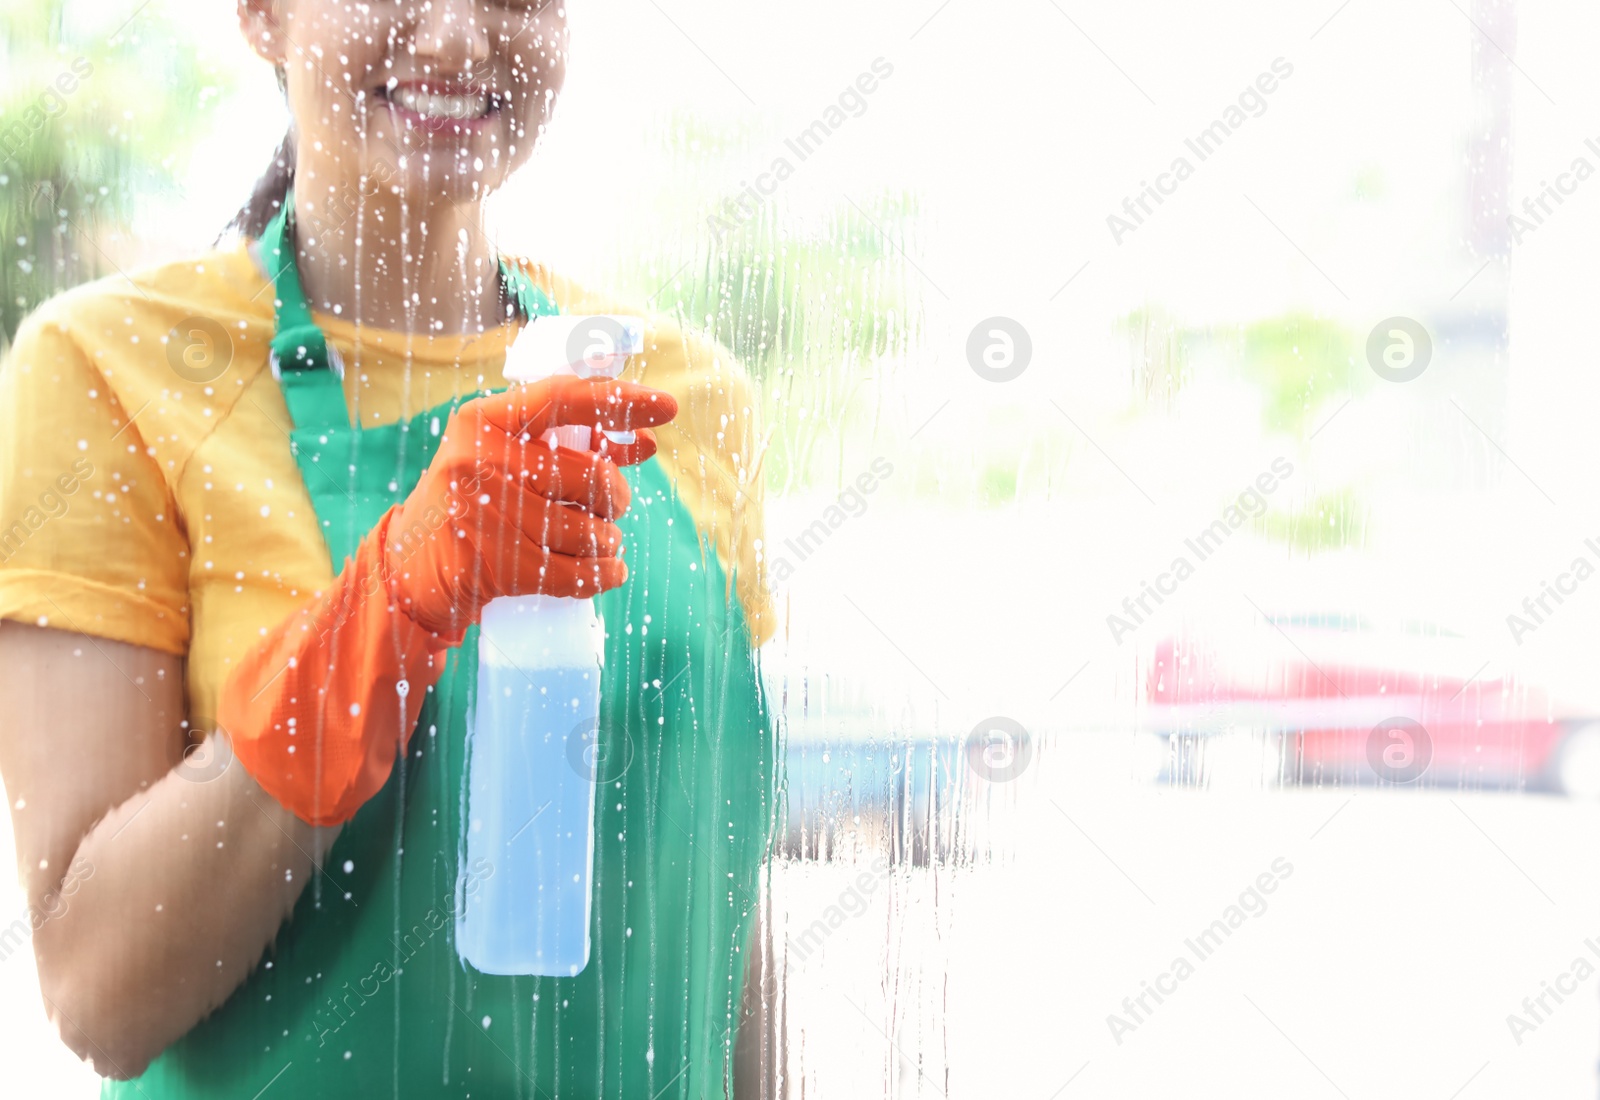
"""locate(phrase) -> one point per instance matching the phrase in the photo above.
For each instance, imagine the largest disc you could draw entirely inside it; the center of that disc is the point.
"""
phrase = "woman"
(260, 499)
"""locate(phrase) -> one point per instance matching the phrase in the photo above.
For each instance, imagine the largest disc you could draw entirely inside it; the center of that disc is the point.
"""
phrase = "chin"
(428, 179)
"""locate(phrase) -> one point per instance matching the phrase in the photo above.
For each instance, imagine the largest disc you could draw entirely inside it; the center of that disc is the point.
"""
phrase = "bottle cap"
(593, 345)
(587, 345)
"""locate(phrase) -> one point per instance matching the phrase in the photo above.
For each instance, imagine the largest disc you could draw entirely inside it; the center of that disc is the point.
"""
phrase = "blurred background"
(1225, 382)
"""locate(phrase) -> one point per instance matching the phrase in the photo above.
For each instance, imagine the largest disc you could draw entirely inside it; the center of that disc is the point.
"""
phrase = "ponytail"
(270, 191)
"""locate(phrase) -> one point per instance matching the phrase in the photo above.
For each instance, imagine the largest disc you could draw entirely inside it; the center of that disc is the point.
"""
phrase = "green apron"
(362, 994)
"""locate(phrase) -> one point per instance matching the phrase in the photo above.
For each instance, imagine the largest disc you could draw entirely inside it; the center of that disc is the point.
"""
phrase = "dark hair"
(270, 190)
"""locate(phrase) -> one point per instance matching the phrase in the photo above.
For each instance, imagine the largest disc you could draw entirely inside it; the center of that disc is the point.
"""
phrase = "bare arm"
(179, 877)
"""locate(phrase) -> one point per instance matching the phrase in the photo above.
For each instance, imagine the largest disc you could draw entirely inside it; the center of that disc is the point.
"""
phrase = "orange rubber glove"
(319, 708)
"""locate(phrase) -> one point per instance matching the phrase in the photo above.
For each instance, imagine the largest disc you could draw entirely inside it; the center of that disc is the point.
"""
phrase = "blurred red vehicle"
(1326, 700)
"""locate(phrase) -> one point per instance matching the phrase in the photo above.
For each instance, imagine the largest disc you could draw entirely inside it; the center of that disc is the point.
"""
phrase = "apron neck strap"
(298, 343)
(308, 368)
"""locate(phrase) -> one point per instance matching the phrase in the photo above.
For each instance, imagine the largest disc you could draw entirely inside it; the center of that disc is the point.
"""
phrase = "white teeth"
(463, 107)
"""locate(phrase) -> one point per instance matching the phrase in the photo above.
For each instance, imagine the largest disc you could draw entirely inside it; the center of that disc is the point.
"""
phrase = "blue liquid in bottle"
(531, 790)
(532, 749)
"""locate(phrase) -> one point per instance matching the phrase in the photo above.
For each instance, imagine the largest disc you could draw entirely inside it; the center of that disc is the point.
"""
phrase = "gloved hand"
(318, 709)
(500, 513)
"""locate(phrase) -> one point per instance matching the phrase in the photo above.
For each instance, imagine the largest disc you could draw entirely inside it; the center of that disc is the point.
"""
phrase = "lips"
(440, 106)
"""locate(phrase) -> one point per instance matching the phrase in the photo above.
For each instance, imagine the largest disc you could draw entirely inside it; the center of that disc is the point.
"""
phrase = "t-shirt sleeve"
(714, 449)
(90, 539)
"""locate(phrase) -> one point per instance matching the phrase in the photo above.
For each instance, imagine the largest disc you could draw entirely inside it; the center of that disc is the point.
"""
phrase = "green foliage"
(779, 300)
(1332, 521)
(1160, 348)
(90, 117)
(1296, 360)
(1302, 366)
(810, 313)
(1299, 362)
(997, 485)
(688, 132)
(1368, 184)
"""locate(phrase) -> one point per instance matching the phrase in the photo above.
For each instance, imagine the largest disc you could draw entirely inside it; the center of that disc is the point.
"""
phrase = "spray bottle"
(532, 749)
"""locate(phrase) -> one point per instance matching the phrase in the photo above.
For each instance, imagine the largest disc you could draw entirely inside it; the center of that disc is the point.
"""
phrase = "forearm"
(184, 885)
(320, 708)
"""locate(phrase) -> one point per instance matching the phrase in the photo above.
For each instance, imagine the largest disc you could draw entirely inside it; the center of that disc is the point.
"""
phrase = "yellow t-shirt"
(143, 500)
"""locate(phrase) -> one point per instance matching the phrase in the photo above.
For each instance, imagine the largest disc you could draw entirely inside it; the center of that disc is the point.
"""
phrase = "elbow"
(107, 1029)
(113, 1046)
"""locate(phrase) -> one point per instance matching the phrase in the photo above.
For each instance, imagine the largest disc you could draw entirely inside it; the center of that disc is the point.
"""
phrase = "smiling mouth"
(437, 106)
